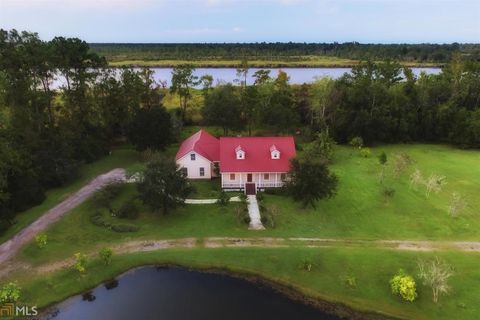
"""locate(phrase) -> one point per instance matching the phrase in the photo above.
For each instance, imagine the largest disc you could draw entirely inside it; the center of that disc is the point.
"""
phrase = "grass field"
(299, 62)
(359, 211)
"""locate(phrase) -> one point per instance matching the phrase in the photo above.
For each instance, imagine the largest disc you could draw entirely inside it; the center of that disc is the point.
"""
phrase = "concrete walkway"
(11, 247)
(254, 213)
(209, 201)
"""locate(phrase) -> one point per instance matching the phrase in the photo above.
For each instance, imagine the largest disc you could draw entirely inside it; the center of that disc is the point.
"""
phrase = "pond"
(224, 75)
(179, 294)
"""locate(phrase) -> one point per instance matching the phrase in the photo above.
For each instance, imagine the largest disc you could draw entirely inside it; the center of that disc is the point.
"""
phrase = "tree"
(457, 204)
(310, 180)
(106, 255)
(242, 72)
(183, 80)
(435, 274)
(80, 263)
(151, 129)
(163, 186)
(41, 240)
(434, 183)
(222, 108)
(10, 293)
(207, 83)
(321, 147)
(382, 159)
(356, 142)
(261, 77)
(404, 285)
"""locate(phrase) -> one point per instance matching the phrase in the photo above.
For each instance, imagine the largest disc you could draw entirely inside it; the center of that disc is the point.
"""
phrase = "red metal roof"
(257, 154)
(202, 143)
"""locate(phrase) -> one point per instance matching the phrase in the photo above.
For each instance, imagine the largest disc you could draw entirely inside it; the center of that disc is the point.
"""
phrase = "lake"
(151, 293)
(297, 75)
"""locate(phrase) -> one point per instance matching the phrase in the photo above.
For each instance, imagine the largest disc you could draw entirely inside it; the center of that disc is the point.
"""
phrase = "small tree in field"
(434, 183)
(322, 147)
(10, 293)
(80, 262)
(457, 204)
(106, 255)
(163, 186)
(435, 274)
(416, 178)
(401, 161)
(41, 241)
(382, 159)
(404, 285)
(310, 181)
(357, 142)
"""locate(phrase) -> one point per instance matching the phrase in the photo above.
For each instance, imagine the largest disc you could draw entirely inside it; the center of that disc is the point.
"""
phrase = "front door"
(250, 188)
(249, 177)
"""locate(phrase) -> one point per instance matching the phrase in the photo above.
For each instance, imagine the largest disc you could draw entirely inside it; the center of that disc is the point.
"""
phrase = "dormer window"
(192, 156)
(240, 153)
(274, 153)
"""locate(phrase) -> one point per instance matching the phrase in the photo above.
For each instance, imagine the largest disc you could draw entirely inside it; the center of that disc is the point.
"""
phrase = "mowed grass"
(358, 211)
(122, 157)
(370, 269)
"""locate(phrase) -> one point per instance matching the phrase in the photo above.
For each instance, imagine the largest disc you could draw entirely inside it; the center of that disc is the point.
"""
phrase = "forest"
(46, 134)
(420, 53)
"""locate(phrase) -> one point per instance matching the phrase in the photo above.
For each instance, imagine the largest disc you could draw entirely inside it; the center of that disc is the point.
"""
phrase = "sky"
(148, 21)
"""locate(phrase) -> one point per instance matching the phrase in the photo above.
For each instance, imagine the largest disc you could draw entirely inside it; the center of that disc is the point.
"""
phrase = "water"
(224, 75)
(177, 294)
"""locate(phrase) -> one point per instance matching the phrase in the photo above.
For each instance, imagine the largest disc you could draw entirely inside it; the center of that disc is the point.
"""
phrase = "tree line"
(47, 133)
(290, 51)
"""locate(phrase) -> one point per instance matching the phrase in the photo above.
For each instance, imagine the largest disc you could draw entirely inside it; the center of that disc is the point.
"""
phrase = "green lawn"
(120, 158)
(371, 269)
(360, 211)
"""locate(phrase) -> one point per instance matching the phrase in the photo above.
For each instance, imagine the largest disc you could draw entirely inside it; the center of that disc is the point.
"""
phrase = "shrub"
(10, 293)
(356, 142)
(128, 210)
(241, 214)
(223, 198)
(260, 197)
(124, 228)
(80, 262)
(306, 264)
(276, 191)
(97, 219)
(104, 197)
(106, 255)
(365, 153)
(388, 192)
(404, 285)
(41, 240)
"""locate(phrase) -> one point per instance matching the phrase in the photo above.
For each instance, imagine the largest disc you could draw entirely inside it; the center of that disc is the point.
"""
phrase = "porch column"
(241, 180)
(275, 179)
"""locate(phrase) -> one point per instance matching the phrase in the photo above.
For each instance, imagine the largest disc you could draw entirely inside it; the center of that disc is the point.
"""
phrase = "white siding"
(274, 179)
(193, 166)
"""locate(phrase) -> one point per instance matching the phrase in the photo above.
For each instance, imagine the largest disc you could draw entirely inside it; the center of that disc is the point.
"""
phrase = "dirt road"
(9, 248)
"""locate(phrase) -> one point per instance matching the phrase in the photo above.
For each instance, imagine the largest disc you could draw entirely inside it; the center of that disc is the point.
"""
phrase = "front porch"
(237, 181)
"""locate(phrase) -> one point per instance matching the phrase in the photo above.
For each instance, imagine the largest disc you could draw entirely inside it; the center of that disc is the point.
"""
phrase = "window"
(283, 176)
(202, 172)
(184, 171)
(266, 176)
(192, 156)
(232, 176)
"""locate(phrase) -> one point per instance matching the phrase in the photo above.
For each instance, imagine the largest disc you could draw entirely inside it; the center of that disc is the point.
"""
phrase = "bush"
(388, 192)
(128, 210)
(41, 241)
(223, 198)
(356, 142)
(104, 197)
(80, 262)
(260, 197)
(97, 219)
(124, 228)
(10, 293)
(276, 191)
(306, 264)
(106, 255)
(365, 153)
(404, 285)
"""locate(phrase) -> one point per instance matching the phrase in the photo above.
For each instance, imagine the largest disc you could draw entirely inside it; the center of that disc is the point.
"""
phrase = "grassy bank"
(299, 62)
(371, 270)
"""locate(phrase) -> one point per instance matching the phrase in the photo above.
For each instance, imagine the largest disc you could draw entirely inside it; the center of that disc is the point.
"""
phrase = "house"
(244, 163)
